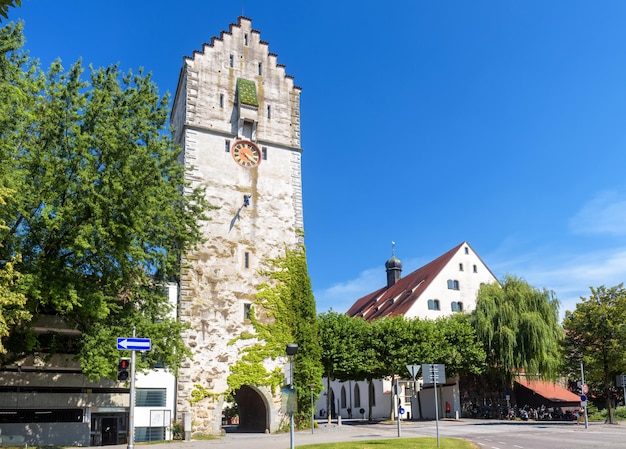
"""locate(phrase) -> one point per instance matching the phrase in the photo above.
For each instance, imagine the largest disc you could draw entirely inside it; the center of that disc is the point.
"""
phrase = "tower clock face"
(246, 153)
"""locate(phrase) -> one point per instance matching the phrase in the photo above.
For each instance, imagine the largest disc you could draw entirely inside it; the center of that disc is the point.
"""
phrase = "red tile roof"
(398, 299)
(550, 391)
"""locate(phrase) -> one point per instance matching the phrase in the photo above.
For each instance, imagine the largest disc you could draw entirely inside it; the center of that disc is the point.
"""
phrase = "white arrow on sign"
(134, 344)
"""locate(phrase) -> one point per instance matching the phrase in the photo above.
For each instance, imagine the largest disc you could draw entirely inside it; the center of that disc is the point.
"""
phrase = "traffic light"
(123, 369)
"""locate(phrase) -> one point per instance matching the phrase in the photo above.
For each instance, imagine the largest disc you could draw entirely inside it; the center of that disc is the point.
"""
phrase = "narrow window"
(269, 111)
(264, 153)
(459, 306)
(222, 101)
(436, 304)
(247, 310)
(475, 269)
(466, 250)
(227, 145)
(357, 395)
(453, 306)
(343, 397)
(231, 60)
(247, 129)
(460, 267)
(260, 68)
(456, 285)
(245, 39)
(246, 259)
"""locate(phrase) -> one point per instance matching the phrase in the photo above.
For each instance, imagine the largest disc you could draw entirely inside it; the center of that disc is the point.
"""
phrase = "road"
(487, 434)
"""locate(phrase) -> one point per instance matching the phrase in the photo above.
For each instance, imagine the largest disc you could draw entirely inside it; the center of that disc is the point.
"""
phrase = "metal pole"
(131, 411)
(312, 411)
(582, 374)
(434, 378)
(398, 407)
(291, 431)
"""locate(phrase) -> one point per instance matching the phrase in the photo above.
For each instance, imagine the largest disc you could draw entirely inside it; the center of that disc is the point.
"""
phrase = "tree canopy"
(95, 218)
(519, 327)
(595, 335)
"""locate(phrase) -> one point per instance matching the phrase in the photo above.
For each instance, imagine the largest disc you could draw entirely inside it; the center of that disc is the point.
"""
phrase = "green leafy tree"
(284, 313)
(595, 336)
(519, 327)
(6, 4)
(97, 218)
(344, 352)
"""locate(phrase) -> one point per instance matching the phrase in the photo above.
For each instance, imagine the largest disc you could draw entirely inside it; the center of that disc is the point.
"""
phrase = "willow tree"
(595, 335)
(96, 219)
(519, 327)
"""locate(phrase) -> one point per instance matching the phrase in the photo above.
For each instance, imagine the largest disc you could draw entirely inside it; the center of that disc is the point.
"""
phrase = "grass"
(397, 443)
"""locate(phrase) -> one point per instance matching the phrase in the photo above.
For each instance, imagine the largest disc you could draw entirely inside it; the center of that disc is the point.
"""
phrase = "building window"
(269, 111)
(457, 306)
(246, 259)
(357, 395)
(466, 250)
(260, 68)
(222, 101)
(433, 304)
(343, 397)
(150, 397)
(227, 145)
(231, 61)
(245, 39)
(475, 269)
(460, 267)
(264, 153)
(453, 284)
(248, 126)
(247, 310)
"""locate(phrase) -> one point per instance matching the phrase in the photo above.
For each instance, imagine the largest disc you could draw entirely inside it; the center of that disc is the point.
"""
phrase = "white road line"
(515, 445)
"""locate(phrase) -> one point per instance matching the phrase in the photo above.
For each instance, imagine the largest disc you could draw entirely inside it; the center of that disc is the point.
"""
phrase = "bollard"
(187, 426)
(338, 420)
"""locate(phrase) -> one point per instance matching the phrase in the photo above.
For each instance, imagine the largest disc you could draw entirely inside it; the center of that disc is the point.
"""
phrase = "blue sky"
(427, 123)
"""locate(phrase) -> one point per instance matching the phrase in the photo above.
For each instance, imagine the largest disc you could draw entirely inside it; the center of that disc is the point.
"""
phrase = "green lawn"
(397, 443)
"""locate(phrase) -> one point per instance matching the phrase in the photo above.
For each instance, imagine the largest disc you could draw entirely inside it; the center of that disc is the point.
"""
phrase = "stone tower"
(236, 114)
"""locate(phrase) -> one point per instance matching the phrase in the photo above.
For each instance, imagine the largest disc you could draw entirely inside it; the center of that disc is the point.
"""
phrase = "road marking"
(515, 445)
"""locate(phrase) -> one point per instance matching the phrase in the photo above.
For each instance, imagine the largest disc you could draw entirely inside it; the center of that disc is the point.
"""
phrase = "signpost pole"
(399, 404)
(582, 373)
(131, 411)
(434, 375)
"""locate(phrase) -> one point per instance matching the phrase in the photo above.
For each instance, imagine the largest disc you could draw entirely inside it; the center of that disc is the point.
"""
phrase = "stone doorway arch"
(254, 412)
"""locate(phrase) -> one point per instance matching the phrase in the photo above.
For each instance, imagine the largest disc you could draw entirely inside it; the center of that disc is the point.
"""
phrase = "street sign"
(401, 411)
(134, 344)
(583, 398)
(620, 380)
(585, 388)
(414, 370)
(434, 373)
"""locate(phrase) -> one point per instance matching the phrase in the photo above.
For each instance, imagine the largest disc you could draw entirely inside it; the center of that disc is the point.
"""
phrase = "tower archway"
(254, 414)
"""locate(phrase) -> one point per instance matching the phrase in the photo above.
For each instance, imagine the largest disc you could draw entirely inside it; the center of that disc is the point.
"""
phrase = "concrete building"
(236, 113)
(448, 284)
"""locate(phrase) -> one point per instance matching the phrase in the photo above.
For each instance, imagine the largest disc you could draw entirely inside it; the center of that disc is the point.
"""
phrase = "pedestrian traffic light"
(123, 369)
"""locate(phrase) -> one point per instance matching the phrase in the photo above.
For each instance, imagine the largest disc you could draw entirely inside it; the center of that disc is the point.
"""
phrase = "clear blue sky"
(426, 123)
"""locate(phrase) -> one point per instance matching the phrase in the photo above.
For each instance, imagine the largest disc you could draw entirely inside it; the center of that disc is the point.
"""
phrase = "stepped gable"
(274, 56)
(398, 299)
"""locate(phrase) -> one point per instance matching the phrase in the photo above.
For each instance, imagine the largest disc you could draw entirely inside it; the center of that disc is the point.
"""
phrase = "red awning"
(549, 391)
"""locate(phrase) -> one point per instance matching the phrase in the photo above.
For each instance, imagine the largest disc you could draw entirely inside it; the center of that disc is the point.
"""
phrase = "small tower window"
(247, 310)
(227, 145)
(231, 61)
(260, 68)
(246, 259)
(222, 101)
(264, 153)
(269, 111)
(245, 39)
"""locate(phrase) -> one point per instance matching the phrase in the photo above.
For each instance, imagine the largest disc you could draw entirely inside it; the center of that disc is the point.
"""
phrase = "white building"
(449, 284)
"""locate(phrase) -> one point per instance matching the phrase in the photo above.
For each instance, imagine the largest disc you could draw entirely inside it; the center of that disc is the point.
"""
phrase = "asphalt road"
(487, 434)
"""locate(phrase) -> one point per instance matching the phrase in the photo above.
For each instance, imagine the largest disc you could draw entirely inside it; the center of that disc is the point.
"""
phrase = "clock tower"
(236, 114)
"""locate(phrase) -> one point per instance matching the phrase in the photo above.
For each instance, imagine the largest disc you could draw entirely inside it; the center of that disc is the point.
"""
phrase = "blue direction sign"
(134, 344)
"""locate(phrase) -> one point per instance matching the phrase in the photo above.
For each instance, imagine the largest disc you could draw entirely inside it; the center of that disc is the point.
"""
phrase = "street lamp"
(292, 349)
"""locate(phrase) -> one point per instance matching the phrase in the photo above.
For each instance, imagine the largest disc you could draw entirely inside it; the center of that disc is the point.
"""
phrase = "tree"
(284, 313)
(518, 325)
(595, 336)
(6, 4)
(97, 221)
